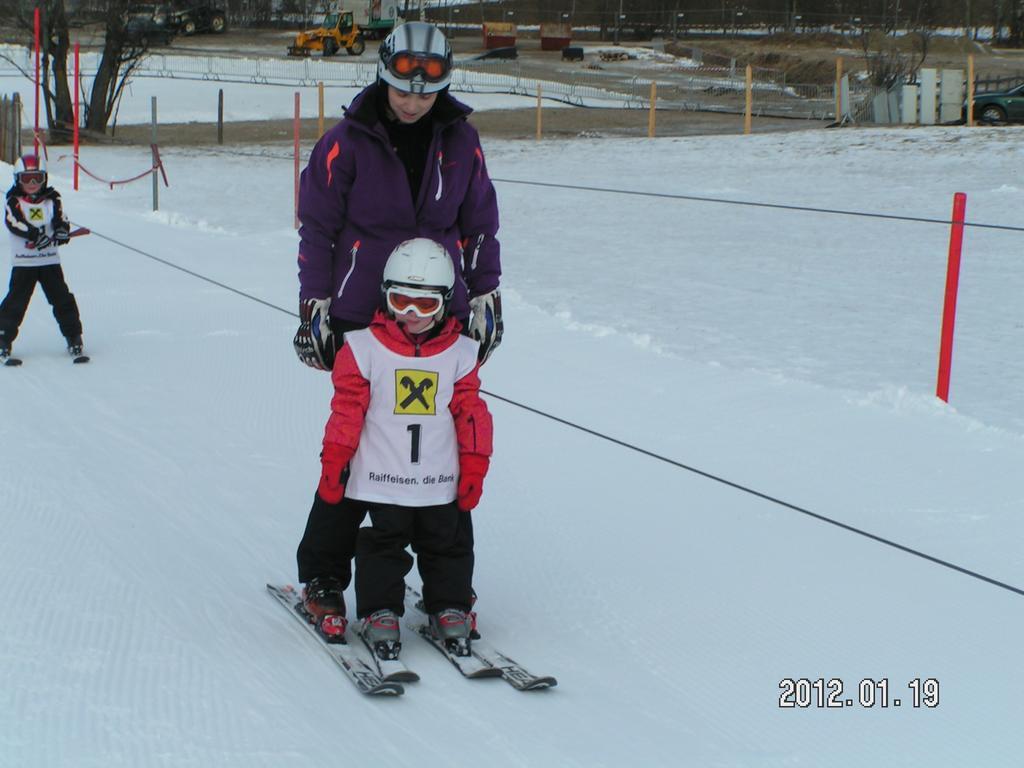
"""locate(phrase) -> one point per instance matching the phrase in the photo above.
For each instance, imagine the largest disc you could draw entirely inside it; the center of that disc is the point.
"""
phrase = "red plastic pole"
(35, 134)
(297, 118)
(77, 81)
(956, 241)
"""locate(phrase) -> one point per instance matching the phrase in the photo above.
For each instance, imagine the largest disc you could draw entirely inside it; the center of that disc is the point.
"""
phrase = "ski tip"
(386, 689)
(402, 676)
(12, 362)
(540, 684)
(81, 359)
(286, 589)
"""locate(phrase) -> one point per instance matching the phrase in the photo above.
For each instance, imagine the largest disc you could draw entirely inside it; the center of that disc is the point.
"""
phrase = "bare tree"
(121, 54)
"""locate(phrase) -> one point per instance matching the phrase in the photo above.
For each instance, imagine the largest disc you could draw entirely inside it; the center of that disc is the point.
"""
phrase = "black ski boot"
(76, 348)
(323, 600)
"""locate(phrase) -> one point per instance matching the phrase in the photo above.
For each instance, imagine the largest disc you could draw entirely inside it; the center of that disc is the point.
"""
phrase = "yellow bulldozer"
(337, 31)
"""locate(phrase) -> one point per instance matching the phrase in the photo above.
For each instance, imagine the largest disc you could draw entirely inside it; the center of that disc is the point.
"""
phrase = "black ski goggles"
(407, 65)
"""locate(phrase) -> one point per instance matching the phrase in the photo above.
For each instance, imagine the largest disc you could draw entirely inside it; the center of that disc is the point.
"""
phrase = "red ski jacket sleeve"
(474, 428)
(350, 401)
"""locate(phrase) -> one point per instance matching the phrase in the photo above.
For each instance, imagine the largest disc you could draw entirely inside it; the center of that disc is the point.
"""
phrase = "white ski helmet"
(419, 268)
(415, 58)
(30, 164)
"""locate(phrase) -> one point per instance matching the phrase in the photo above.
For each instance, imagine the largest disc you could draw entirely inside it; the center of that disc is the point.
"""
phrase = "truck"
(338, 30)
(376, 17)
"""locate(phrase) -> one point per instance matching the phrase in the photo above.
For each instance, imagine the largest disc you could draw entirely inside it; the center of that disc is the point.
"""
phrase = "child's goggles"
(31, 177)
(423, 301)
(406, 65)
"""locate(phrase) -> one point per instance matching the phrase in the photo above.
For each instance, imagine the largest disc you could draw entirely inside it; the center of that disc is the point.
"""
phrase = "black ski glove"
(485, 324)
(314, 341)
(40, 239)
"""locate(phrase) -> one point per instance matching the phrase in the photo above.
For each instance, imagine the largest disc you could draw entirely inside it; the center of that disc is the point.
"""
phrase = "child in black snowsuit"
(35, 219)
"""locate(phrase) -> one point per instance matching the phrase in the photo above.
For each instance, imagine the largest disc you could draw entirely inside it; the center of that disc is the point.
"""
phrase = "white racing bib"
(22, 253)
(408, 453)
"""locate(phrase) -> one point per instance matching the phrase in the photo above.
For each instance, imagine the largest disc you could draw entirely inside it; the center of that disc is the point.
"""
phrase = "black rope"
(699, 199)
(629, 446)
(778, 206)
(764, 496)
(180, 268)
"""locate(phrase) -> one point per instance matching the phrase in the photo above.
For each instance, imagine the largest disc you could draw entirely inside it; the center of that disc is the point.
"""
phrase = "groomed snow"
(146, 498)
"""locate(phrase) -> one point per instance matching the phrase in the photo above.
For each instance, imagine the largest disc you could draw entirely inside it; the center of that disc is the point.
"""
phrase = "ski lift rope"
(629, 446)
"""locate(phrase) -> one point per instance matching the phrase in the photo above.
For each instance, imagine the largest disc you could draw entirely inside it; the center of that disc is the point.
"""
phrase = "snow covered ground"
(146, 498)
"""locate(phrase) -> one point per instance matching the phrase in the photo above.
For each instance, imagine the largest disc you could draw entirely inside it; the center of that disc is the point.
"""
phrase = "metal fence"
(708, 86)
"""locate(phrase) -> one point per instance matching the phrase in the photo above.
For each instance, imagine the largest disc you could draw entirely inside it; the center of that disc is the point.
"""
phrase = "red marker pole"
(77, 81)
(35, 134)
(956, 241)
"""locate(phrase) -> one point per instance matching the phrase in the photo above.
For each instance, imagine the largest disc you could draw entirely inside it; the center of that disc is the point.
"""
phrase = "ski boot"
(454, 628)
(76, 349)
(380, 632)
(5, 354)
(323, 600)
(473, 634)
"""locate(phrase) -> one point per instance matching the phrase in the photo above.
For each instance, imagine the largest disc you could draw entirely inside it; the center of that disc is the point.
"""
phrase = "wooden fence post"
(320, 118)
(839, 88)
(970, 90)
(748, 113)
(538, 114)
(651, 114)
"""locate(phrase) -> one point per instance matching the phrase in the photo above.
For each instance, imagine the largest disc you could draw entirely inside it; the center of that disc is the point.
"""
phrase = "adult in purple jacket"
(403, 163)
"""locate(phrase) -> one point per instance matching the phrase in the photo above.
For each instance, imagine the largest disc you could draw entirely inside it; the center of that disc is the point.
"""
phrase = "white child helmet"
(419, 268)
(415, 58)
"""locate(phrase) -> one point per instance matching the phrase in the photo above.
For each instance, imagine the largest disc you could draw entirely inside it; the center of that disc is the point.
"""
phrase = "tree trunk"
(64, 114)
(100, 99)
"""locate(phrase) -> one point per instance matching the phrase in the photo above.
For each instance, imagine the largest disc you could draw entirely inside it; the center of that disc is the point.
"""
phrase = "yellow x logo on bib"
(415, 392)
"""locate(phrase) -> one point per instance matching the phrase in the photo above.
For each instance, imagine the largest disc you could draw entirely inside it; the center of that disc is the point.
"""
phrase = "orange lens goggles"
(424, 304)
(407, 65)
(32, 177)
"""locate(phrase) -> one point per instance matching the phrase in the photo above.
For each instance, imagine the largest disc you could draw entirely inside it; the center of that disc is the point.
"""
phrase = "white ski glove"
(485, 324)
(314, 341)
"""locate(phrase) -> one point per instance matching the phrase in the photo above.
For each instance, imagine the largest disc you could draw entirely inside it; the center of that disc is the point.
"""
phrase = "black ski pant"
(442, 538)
(329, 541)
(19, 294)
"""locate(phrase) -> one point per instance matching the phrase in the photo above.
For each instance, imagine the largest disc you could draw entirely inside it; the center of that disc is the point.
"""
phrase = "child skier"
(409, 441)
(35, 217)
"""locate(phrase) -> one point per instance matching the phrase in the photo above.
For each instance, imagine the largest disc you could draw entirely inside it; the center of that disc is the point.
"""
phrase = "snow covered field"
(147, 497)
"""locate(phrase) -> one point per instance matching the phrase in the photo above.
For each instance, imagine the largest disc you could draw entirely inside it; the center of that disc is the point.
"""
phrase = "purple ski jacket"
(355, 206)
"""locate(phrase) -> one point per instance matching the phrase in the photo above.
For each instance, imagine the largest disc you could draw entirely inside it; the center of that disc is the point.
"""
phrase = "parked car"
(1000, 106)
(192, 18)
(150, 24)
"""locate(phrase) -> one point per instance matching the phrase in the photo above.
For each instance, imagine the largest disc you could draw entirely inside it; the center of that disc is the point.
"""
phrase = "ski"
(362, 675)
(490, 661)
(11, 362)
(512, 672)
(417, 620)
(390, 670)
